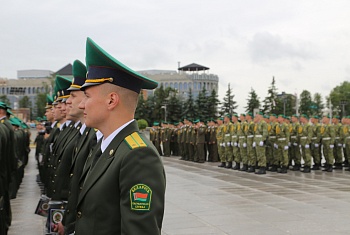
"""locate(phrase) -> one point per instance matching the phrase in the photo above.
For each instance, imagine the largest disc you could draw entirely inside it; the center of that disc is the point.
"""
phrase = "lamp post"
(164, 107)
(343, 103)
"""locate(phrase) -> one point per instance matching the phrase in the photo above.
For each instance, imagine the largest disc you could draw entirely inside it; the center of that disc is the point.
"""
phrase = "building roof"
(66, 70)
(193, 67)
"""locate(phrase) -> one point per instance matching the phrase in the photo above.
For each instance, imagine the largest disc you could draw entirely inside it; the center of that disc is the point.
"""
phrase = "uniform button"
(54, 191)
(67, 211)
(71, 175)
(55, 175)
(52, 181)
(81, 188)
(54, 168)
(59, 161)
(79, 214)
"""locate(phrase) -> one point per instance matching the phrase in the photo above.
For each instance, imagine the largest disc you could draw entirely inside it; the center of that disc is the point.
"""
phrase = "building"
(30, 83)
(192, 76)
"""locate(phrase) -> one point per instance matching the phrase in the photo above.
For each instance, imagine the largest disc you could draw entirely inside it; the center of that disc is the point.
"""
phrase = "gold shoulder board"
(134, 141)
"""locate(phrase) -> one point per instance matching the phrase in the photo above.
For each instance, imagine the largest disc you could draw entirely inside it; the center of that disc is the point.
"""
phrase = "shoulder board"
(134, 141)
(2, 121)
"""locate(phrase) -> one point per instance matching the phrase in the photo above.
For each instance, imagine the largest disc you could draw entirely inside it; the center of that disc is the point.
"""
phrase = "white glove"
(331, 146)
(343, 145)
(254, 144)
(316, 145)
(286, 147)
(307, 146)
(276, 146)
(244, 145)
(340, 145)
(235, 144)
(228, 144)
(289, 144)
(261, 143)
(295, 144)
(221, 144)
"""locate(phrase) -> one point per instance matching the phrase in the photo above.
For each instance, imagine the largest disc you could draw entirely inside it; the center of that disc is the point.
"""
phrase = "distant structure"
(30, 83)
(192, 76)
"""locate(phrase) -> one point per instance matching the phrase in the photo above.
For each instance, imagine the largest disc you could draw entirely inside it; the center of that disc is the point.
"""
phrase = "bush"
(142, 123)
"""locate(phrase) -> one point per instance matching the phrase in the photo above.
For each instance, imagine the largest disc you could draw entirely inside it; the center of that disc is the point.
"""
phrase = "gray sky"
(305, 44)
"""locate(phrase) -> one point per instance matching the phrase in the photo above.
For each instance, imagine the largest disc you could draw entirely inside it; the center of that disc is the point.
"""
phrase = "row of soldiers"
(261, 143)
(14, 151)
(65, 147)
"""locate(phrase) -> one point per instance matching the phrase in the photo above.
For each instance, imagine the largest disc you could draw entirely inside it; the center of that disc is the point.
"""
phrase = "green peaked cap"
(62, 84)
(49, 101)
(79, 74)
(102, 67)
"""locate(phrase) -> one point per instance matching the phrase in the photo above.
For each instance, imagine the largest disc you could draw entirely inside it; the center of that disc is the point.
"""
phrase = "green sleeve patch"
(140, 197)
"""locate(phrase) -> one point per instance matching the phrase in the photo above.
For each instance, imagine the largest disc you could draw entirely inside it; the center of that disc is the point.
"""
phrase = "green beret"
(102, 67)
(304, 116)
(155, 123)
(243, 114)
(316, 117)
(250, 114)
(295, 115)
(227, 115)
(266, 116)
(235, 114)
(273, 115)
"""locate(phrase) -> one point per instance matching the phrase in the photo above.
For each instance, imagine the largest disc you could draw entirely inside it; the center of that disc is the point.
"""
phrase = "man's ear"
(113, 100)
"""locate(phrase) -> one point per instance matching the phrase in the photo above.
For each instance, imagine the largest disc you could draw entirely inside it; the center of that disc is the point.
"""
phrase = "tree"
(229, 105)
(213, 103)
(24, 102)
(253, 101)
(306, 104)
(317, 101)
(3, 98)
(340, 98)
(174, 108)
(189, 111)
(201, 106)
(141, 111)
(270, 100)
(40, 105)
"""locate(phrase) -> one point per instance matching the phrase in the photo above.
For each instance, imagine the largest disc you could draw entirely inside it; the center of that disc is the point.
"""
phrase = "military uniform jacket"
(124, 192)
(201, 132)
(305, 134)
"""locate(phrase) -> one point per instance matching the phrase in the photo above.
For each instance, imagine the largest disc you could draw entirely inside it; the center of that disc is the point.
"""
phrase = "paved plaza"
(204, 199)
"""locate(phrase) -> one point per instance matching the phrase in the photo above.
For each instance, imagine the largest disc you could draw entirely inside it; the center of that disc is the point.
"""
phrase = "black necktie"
(96, 157)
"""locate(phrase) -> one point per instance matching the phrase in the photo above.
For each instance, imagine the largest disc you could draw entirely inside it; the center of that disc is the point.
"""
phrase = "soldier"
(193, 136)
(294, 147)
(282, 135)
(261, 134)
(346, 137)
(328, 138)
(316, 143)
(152, 134)
(179, 136)
(165, 136)
(274, 162)
(220, 142)
(228, 156)
(305, 134)
(183, 140)
(338, 143)
(236, 127)
(201, 131)
(123, 192)
(157, 138)
(242, 142)
(250, 140)
(213, 147)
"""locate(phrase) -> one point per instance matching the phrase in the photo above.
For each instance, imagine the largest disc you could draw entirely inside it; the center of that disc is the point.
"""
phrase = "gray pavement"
(205, 199)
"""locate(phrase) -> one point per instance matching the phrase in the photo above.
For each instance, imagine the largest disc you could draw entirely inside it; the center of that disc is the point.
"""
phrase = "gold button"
(111, 152)
(79, 214)
(71, 175)
(59, 161)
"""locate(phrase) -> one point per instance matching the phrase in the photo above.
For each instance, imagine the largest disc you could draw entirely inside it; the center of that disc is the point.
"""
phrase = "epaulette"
(2, 121)
(134, 141)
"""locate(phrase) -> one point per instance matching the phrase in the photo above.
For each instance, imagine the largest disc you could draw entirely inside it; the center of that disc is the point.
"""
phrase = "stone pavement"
(204, 199)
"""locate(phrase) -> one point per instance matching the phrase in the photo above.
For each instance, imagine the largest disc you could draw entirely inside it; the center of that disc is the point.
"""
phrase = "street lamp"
(164, 107)
(343, 103)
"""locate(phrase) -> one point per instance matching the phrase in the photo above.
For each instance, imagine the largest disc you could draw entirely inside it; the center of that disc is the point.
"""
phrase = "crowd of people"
(14, 151)
(259, 143)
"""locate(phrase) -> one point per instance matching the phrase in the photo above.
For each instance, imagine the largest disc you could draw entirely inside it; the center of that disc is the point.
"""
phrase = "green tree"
(24, 102)
(253, 101)
(201, 105)
(213, 103)
(3, 98)
(40, 105)
(270, 101)
(318, 103)
(306, 104)
(340, 98)
(141, 112)
(174, 108)
(229, 105)
(189, 111)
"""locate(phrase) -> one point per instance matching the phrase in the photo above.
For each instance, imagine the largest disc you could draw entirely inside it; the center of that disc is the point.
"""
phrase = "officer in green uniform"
(294, 146)
(328, 138)
(338, 143)
(250, 146)
(316, 142)
(123, 192)
(157, 139)
(242, 142)
(194, 140)
(189, 139)
(236, 127)
(304, 134)
(282, 135)
(261, 134)
(228, 157)
(179, 136)
(201, 131)
(213, 155)
(220, 141)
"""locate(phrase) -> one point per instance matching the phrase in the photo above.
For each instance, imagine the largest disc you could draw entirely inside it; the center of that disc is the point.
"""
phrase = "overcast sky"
(304, 44)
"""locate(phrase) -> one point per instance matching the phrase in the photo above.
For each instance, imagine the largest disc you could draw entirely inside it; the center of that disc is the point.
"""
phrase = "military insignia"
(140, 197)
(300, 130)
(345, 129)
(268, 127)
(322, 130)
(111, 152)
(278, 130)
(135, 141)
(255, 127)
